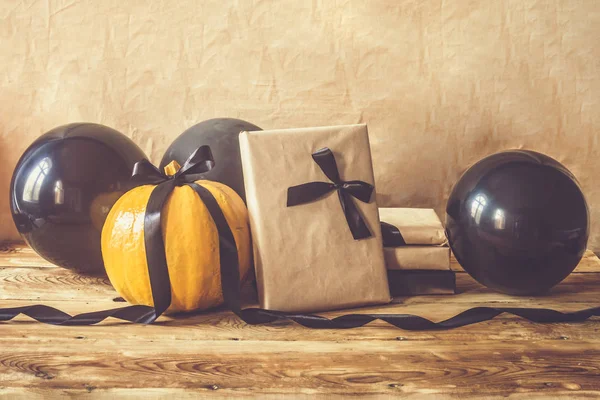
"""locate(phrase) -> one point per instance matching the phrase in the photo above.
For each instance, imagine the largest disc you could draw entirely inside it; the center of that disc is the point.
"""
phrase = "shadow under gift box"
(418, 283)
(305, 256)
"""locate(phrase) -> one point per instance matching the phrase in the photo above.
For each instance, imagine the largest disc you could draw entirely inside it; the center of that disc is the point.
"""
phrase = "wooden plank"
(473, 368)
(20, 255)
(184, 394)
(56, 284)
(578, 292)
(589, 263)
(74, 293)
(41, 283)
(35, 284)
(216, 354)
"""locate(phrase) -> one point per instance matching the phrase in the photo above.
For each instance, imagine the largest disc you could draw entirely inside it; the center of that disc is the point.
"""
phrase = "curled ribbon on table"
(201, 161)
(311, 191)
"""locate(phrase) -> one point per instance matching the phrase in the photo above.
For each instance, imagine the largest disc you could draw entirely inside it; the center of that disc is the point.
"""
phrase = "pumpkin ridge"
(133, 203)
(193, 232)
(244, 245)
(226, 199)
(232, 198)
(106, 237)
(237, 208)
(145, 277)
(133, 286)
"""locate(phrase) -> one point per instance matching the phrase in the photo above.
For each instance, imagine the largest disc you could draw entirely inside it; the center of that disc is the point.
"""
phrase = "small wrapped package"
(314, 221)
(414, 239)
(418, 226)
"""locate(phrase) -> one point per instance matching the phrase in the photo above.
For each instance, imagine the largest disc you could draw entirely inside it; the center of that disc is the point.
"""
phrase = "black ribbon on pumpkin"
(311, 191)
(201, 161)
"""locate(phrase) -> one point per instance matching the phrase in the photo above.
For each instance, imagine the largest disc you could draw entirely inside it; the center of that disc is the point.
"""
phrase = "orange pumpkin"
(191, 244)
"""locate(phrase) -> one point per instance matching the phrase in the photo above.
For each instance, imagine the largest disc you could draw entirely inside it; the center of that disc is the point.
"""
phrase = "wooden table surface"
(215, 354)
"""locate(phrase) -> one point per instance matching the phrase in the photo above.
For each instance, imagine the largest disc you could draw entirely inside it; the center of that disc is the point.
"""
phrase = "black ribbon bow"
(312, 191)
(201, 161)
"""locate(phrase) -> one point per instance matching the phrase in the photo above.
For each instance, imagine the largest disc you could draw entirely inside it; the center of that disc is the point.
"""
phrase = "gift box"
(414, 239)
(314, 221)
(418, 226)
(416, 254)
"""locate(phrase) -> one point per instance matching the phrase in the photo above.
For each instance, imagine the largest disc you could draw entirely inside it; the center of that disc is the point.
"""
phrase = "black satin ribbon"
(391, 235)
(230, 279)
(312, 191)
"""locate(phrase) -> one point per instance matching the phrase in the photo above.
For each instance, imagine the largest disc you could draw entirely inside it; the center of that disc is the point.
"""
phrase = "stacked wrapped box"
(416, 254)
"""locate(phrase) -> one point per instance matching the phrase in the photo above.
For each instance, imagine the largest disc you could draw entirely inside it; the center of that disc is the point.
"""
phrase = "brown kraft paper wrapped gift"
(418, 258)
(305, 256)
(418, 226)
(423, 233)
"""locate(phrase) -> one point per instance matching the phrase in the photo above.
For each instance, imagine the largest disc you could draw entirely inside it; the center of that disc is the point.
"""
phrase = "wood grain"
(52, 284)
(215, 354)
(33, 284)
(20, 255)
(371, 367)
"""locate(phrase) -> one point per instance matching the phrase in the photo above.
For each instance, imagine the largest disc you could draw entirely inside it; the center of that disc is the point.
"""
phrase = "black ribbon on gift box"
(312, 191)
(201, 161)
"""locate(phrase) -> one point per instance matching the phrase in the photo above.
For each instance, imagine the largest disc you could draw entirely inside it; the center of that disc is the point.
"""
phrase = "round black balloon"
(222, 135)
(63, 187)
(517, 222)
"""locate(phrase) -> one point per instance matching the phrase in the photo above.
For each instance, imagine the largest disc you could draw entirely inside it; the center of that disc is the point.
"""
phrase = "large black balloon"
(222, 135)
(63, 187)
(517, 221)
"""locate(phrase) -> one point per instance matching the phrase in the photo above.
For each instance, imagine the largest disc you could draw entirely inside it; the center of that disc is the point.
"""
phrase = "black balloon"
(517, 221)
(222, 135)
(63, 187)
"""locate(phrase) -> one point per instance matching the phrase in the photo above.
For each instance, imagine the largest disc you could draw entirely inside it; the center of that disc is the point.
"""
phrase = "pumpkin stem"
(172, 168)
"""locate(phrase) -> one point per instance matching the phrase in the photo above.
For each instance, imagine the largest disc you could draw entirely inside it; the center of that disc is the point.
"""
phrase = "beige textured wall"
(440, 83)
